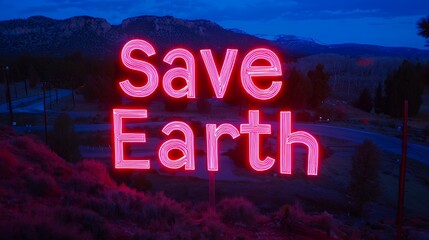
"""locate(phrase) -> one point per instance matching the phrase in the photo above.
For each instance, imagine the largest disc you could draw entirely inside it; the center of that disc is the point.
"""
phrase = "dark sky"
(381, 22)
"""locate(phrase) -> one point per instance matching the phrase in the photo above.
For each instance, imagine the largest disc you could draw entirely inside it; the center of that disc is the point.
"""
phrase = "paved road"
(390, 144)
(33, 104)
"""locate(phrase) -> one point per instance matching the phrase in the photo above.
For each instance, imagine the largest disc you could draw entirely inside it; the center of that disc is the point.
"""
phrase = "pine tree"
(364, 102)
(423, 26)
(298, 91)
(321, 89)
(364, 184)
(403, 84)
(378, 99)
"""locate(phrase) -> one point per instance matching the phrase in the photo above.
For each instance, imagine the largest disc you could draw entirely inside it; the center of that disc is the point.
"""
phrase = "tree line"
(407, 82)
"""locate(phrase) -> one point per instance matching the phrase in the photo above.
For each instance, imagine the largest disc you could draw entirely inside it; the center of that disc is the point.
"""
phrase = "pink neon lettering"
(186, 147)
(120, 138)
(248, 71)
(219, 81)
(138, 65)
(212, 136)
(188, 74)
(287, 138)
(254, 129)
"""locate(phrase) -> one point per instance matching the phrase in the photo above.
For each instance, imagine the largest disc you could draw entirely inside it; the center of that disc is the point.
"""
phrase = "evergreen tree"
(403, 84)
(298, 91)
(321, 89)
(364, 184)
(378, 99)
(423, 26)
(364, 102)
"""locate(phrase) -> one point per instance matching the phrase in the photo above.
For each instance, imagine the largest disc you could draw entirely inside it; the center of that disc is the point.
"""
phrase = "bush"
(43, 186)
(294, 221)
(87, 220)
(365, 102)
(211, 226)
(33, 228)
(237, 210)
(139, 181)
(8, 161)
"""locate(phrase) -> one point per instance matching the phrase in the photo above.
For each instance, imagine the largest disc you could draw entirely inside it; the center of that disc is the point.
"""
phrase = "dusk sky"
(380, 22)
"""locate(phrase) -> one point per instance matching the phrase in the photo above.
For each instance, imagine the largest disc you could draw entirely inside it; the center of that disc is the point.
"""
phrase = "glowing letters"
(219, 81)
(186, 147)
(187, 73)
(248, 71)
(120, 138)
(254, 129)
(138, 65)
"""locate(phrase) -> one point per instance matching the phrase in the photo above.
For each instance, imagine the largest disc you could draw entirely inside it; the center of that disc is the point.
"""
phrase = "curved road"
(391, 144)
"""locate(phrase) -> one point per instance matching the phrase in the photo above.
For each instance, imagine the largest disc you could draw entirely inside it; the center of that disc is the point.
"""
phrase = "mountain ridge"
(97, 37)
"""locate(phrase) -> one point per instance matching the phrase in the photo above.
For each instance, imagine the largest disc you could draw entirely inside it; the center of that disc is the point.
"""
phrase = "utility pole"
(44, 110)
(400, 208)
(6, 68)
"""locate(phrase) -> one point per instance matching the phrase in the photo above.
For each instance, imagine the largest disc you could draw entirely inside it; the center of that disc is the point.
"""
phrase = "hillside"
(304, 47)
(96, 37)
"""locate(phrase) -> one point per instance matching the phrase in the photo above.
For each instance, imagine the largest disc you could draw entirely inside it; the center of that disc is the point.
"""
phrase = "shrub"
(237, 210)
(8, 161)
(42, 186)
(31, 228)
(293, 219)
(139, 181)
(87, 220)
(364, 102)
(211, 226)
(91, 177)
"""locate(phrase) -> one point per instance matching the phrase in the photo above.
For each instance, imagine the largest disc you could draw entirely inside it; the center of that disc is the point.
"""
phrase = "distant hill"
(303, 46)
(97, 37)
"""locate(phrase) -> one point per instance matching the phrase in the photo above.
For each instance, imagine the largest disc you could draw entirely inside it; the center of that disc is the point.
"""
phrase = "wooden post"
(8, 95)
(402, 173)
(45, 115)
(212, 192)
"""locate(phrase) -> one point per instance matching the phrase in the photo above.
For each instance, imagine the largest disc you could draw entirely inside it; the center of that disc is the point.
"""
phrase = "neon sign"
(219, 82)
